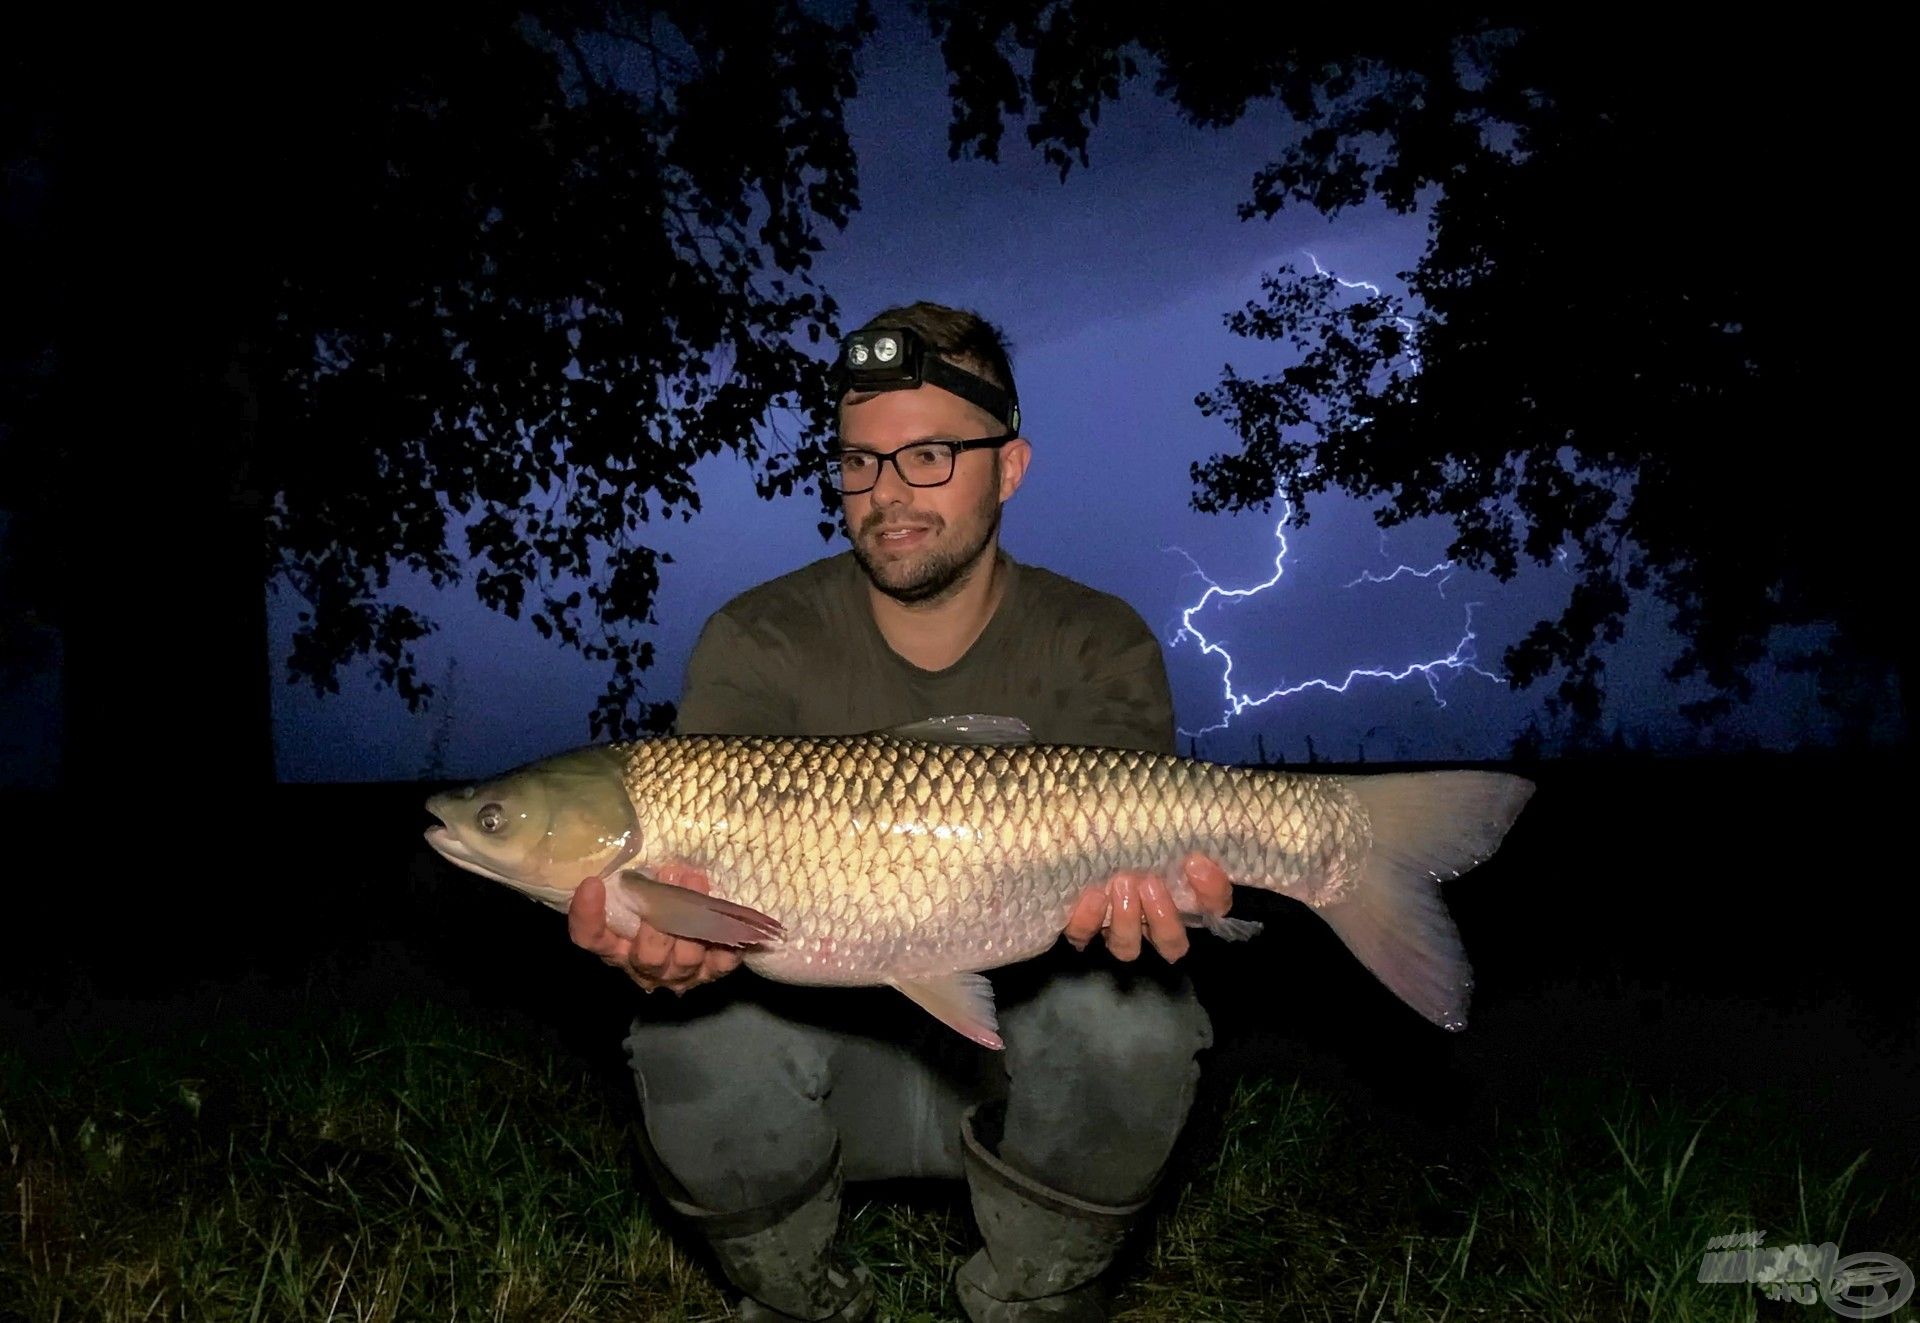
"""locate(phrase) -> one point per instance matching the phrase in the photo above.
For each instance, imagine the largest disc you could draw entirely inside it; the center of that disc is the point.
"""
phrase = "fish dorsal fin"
(971, 728)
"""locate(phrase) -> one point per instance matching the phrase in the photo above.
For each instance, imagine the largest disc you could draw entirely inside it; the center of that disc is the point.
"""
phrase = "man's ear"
(1014, 458)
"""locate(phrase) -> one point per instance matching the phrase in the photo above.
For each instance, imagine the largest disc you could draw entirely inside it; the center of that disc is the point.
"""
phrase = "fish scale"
(954, 857)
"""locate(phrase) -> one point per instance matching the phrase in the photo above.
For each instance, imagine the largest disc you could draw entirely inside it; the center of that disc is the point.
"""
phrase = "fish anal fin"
(962, 1002)
(1187, 905)
(1227, 930)
(685, 912)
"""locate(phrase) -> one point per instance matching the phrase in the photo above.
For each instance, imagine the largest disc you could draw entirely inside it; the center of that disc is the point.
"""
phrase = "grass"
(422, 1165)
(1598, 1207)
(415, 1167)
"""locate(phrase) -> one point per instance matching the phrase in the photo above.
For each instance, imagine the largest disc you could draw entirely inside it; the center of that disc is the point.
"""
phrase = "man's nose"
(889, 487)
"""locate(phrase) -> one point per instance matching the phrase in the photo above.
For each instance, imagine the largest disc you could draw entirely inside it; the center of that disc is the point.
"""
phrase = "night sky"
(1111, 287)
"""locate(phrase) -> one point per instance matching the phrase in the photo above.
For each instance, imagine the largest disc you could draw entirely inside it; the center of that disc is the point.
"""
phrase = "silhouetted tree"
(1632, 347)
(353, 291)
(27, 363)
(574, 263)
(447, 700)
(565, 258)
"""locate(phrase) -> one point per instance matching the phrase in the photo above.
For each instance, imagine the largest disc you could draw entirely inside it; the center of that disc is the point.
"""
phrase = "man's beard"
(938, 572)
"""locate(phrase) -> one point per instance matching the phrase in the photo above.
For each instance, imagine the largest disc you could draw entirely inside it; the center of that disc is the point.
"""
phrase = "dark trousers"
(748, 1086)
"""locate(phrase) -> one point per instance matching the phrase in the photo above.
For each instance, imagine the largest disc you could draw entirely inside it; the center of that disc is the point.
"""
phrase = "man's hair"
(964, 339)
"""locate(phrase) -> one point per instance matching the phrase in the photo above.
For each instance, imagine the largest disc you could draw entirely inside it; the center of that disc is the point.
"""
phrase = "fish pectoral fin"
(1227, 930)
(970, 728)
(962, 1002)
(687, 913)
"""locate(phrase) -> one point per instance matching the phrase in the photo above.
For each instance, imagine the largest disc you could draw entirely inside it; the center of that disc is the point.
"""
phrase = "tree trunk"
(165, 621)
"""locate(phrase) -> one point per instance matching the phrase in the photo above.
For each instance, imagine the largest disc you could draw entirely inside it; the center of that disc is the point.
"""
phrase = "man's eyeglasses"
(921, 464)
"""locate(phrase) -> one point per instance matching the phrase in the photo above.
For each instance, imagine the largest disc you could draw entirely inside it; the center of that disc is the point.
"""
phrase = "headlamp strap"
(975, 390)
(884, 358)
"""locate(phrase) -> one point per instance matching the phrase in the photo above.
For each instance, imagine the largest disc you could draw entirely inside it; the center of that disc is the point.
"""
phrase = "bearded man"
(761, 1100)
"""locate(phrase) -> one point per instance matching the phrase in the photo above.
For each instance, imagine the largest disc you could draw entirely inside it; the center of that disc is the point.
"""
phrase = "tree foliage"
(541, 262)
(486, 280)
(1628, 350)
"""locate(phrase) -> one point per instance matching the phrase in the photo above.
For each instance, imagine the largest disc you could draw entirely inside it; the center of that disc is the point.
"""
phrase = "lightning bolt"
(1461, 657)
(1444, 569)
(1413, 354)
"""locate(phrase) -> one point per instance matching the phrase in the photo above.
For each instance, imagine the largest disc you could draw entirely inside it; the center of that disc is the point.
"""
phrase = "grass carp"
(918, 857)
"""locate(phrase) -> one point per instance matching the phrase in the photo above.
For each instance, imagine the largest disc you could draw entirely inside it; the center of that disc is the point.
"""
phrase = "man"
(760, 1100)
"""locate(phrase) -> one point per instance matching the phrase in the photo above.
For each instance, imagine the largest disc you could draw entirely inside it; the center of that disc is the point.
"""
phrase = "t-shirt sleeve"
(1117, 694)
(730, 688)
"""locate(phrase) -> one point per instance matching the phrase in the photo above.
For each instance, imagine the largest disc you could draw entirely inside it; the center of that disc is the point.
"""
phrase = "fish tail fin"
(1427, 826)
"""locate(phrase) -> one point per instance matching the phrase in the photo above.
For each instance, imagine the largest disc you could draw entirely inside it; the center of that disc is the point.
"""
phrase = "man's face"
(917, 544)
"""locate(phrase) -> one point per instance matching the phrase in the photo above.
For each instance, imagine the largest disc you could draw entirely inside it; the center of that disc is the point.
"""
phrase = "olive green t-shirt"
(801, 655)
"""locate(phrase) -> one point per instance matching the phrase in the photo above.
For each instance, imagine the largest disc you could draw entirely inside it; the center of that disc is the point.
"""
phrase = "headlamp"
(885, 358)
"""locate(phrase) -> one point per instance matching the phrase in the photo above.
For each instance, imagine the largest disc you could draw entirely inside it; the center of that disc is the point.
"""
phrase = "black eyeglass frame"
(955, 450)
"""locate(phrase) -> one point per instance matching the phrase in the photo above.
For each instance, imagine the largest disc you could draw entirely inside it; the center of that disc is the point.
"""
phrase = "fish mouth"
(455, 851)
(460, 855)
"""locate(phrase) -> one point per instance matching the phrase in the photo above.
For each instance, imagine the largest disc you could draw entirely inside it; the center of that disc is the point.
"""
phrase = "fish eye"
(491, 819)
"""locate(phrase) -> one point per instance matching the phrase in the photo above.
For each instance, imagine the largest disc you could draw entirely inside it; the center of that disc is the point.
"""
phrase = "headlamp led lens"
(886, 349)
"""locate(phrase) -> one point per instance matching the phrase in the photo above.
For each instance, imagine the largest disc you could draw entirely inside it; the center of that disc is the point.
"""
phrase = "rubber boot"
(1045, 1249)
(780, 1255)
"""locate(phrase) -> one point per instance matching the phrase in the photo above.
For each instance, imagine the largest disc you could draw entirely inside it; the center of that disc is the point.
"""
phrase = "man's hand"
(1132, 901)
(652, 959)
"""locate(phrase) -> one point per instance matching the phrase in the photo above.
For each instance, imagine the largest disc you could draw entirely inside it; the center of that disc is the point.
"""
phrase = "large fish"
(918, 857)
